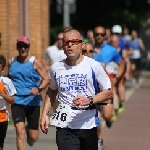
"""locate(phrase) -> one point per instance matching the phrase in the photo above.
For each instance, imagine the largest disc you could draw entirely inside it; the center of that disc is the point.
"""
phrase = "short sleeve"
(53, 83)
(116, 58)
(102, 78)
(11, 90)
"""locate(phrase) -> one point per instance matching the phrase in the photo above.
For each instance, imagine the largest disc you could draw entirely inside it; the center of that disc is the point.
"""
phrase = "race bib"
(62, 116)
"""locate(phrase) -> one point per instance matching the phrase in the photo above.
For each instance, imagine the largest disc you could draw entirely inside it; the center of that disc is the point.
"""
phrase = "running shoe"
(120, 110)
(114, 117)
(100, 144)
(109, 123)
(29, 141)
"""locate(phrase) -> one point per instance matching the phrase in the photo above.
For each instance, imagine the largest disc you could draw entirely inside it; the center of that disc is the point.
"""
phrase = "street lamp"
(63, 6)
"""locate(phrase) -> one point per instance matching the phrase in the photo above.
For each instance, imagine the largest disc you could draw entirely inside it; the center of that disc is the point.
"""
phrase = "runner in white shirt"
(76, 80)
(7, 90)
(55, 52)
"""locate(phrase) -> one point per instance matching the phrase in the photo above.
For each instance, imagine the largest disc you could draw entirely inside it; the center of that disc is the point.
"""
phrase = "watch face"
(91, 100)
(40, 89)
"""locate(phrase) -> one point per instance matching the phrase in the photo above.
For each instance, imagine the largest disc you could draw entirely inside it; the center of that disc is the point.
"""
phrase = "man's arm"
(142, 46)
(7, 98)
(120, 69)
(48, 103)
(50, 99)
(39, 67)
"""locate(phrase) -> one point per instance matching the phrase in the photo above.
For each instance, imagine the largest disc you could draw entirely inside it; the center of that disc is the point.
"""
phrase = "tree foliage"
(131, 13)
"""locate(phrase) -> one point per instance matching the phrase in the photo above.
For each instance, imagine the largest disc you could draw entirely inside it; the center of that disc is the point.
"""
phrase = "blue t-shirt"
(122, 43)
(107, 54)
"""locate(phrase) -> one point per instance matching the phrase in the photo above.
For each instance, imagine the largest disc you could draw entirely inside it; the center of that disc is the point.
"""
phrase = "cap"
(116, 29)
(23, 39)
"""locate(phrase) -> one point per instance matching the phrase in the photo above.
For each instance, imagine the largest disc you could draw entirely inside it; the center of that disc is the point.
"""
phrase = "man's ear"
(3, 69)
(83, 45)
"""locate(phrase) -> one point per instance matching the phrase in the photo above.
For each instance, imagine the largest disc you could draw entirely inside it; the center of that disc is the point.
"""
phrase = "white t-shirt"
(10, 90)
(80, 80)
(54, 54)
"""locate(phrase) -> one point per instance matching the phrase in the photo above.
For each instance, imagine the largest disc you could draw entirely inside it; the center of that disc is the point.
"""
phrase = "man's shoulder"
(109, 47)
(91, 62)
(51, 47)
(57, 64)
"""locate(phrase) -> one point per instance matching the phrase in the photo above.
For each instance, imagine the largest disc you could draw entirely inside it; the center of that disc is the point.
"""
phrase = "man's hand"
(34, 91)
(44, 122)
(81, 101)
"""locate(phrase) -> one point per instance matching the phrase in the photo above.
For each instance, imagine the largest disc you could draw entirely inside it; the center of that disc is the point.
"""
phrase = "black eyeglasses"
(73, 42)
(23, 46)
(101, 34)
(87, 51)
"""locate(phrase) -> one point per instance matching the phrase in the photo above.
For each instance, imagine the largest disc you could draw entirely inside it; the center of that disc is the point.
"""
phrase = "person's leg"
(88, 139)
(99, 128)
(32, 128)
(67, 139)
(18, 115)
(121, 94)
(107, 112)
(137, 72)
(3, 130)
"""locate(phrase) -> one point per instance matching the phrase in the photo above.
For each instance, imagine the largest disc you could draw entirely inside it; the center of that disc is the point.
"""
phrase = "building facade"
(24, 17)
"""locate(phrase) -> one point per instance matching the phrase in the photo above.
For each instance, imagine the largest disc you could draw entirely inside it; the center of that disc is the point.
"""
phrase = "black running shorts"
(77, 139)
(32, 113)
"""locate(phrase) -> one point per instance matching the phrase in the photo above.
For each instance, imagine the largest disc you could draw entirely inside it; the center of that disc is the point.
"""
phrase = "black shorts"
(76, 139)
(136, 62)
(32, 113)
(3, 130)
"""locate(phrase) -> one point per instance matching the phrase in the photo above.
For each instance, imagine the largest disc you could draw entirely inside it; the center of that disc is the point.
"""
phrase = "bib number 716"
(62, 116)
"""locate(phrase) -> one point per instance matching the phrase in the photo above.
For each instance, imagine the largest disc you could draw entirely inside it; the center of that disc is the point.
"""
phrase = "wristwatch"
(40, 89)
(91, 100)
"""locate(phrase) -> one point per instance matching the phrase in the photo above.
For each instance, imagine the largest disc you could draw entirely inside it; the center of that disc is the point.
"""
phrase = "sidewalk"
(131, 131)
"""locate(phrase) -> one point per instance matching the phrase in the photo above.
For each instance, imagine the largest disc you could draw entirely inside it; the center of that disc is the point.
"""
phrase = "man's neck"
(59, 48)
(98, 45)
(74, 62)
(23, 59)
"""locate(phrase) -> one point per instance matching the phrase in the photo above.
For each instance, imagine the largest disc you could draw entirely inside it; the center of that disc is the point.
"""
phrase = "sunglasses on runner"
(87, 51)
(21, 46)
(101, 34)
(73, 42)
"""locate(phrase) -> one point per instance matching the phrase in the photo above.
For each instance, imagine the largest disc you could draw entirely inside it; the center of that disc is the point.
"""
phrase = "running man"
(30, 78)
(106, 55)
(137, 45)
(119, 88)
(75, 80)
(7, 90)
